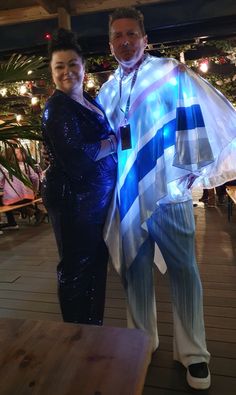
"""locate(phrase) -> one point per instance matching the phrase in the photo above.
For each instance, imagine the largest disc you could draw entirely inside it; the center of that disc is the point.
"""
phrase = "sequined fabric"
(77, 191)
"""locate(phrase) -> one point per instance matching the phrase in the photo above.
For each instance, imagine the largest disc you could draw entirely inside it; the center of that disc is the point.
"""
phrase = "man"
(155, 104)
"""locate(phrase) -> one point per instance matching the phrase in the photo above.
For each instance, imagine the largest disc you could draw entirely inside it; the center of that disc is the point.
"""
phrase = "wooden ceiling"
(23, 23)
(19, 11)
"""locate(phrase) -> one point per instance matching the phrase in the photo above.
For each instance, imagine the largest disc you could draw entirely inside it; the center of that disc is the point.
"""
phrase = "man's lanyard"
(127, 107)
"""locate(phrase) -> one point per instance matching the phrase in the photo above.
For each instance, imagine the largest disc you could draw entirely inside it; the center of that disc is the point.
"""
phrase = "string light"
(18, 117)
(3, 92)
(23, 90)
(34, 100)
(203, 66)
(90, 83)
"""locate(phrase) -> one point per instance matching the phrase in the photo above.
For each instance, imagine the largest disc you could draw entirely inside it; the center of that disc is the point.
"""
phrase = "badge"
(125, 135)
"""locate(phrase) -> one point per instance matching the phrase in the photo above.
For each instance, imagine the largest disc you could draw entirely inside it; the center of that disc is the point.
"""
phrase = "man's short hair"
(129, 13)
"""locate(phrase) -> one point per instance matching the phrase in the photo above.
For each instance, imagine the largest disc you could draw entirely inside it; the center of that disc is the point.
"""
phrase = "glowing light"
(34, 101)
(204, 66)
(47, 36)
(29, 72)
(18, 117)
(90, 83)
(23, 90)
(3, 92)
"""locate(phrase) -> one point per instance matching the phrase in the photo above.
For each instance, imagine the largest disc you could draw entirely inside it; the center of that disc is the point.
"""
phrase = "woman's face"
(67, 71)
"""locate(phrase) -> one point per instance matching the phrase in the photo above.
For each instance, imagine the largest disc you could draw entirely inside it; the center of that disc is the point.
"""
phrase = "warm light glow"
(90, 83)
(3, 91)
(204, 66)
(23, 90)
(18, 117)
(29, 72)
(34, 101)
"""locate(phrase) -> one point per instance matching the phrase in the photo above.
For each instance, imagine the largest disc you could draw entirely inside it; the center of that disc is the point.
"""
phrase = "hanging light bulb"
(29, 72)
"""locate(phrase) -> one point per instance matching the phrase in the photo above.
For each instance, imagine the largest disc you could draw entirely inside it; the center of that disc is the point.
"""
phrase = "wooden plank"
(231, 191)
(175, 378)
(86, 6)
(221, 349)
(26, 314)
(27, 273)
(9, 277)
(24, 14)
(61, 358)
(48, 5)
(32, 296)
(29, 305)
(219, 365)
(4, 209)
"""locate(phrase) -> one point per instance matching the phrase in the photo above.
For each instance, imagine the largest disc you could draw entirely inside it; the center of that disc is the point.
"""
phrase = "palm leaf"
(19, 67)
(29, 131)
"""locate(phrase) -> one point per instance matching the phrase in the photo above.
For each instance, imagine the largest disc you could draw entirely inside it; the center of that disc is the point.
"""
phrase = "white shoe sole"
(198, 383)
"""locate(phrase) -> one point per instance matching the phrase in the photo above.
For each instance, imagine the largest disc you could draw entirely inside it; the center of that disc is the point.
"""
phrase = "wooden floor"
(28, 260)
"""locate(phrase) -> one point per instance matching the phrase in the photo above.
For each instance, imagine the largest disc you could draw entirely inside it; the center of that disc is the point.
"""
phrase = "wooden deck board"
(28, 260)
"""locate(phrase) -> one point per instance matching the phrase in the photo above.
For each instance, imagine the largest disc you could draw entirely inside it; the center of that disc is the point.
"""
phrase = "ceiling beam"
(87, 6)
(48, 5)
(46, 9)
(25, 14)
(51, 6)
(64, 19)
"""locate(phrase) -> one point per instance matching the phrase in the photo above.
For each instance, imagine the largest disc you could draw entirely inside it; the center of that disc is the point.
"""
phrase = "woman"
(15, 191)
(79, 183)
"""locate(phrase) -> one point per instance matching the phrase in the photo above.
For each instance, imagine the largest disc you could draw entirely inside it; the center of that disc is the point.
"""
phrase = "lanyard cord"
(127, 107)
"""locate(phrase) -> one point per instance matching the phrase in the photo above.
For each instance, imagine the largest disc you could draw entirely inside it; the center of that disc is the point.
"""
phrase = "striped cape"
(180, 125)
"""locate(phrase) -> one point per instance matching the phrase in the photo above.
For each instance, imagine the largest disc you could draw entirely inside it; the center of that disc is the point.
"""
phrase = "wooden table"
(57, 358)
(4, 209)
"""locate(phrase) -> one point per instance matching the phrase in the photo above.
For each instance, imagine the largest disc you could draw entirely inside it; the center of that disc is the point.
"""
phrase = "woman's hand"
(108, 147)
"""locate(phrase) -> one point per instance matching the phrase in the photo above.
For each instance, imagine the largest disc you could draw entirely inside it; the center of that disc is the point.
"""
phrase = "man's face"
(127, 42)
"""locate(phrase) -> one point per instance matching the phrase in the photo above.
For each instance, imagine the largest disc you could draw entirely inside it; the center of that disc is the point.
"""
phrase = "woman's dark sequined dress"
(77, 191)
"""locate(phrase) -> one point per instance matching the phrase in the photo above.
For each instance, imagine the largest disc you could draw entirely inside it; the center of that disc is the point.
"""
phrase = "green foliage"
(19, 68)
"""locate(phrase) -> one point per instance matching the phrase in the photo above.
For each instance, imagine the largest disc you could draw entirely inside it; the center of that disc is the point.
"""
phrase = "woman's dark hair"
(64, 40)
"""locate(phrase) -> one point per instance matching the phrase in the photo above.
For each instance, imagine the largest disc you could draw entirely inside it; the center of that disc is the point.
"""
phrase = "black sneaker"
(9, 227)
(198, 376)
